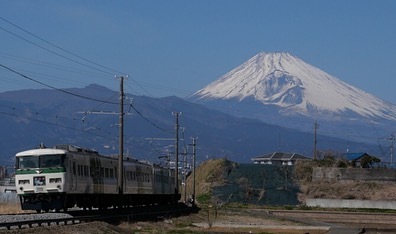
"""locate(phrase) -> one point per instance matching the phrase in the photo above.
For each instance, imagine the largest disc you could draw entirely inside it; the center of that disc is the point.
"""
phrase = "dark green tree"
(367, 161)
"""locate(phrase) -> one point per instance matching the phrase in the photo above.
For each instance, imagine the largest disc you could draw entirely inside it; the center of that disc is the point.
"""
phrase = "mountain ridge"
(46, 118)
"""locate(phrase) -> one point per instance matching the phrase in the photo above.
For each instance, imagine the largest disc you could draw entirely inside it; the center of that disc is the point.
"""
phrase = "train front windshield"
(40, 161)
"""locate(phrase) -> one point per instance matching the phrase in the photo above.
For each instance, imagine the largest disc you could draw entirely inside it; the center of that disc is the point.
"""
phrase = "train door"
(97, 177)
(72, 175)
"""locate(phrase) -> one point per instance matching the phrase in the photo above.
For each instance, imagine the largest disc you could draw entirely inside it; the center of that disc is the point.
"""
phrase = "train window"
(107, 172)
(79, 170)
(85, 171)
(92, 171)
(56, 160)
(111, 173)
(101, 171)
(27, 162)
(74, 168)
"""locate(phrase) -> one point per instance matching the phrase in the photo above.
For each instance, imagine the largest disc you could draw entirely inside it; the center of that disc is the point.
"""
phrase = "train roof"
(58, 149)
(74, 148)
(46, 151)
(62, 149)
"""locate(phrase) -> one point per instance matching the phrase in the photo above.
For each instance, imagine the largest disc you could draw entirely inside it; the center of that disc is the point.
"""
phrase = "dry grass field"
(10, 208)
(340, 189)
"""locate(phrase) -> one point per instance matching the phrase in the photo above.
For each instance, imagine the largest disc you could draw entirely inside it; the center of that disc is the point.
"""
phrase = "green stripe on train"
(40, 171)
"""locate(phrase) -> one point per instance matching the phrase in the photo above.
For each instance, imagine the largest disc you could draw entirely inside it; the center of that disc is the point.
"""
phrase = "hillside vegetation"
(220, 181)
(209, 174)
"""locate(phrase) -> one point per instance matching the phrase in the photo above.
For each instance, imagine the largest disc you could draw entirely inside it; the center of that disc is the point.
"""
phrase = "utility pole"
(120, 183)
(392, 139)
(176, 114)
(120, 172)
(316, 125)
(185, 174)
(194, 156)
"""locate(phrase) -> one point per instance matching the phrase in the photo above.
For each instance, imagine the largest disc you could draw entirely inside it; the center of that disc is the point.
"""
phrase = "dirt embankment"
(221, 173)
(338, 188)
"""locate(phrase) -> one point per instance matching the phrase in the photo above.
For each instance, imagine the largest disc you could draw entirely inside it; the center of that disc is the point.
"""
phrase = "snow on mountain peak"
(286, 81)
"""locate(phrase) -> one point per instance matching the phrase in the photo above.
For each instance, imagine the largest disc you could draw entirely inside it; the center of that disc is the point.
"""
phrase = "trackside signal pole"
(120, 184)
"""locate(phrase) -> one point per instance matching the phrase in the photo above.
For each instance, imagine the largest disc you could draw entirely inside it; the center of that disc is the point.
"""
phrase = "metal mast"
(121, 140)
(176, 114)
(316, 125)
(194, 155)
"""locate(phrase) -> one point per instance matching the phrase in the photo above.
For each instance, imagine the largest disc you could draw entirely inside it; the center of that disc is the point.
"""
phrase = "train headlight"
(55, 180)
(21, 188)
(23, 181)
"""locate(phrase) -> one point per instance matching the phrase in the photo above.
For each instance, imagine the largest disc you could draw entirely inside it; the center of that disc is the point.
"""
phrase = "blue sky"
(178, 47)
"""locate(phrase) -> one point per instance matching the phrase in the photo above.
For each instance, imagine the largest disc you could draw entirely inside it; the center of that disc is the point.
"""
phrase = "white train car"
(66, 176)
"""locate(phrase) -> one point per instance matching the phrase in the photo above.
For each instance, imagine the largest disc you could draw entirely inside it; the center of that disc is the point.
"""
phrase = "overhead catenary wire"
(54, 124)
(150, 122)
(83, 130)
(57, 117)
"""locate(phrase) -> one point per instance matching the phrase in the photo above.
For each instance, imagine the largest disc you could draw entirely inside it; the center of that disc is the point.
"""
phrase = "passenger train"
(66, 176)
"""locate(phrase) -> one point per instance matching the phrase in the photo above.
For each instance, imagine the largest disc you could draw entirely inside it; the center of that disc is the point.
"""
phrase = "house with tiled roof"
(354, 158)
(279, 158)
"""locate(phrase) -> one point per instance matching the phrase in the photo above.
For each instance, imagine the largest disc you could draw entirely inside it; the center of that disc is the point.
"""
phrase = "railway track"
(367, 221)
(339, 216)
(335, 221)
(21, 221)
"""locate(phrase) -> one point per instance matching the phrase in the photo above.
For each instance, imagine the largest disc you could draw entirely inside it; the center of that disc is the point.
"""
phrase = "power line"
(54, 124)
(56, 46)
(77, 56)
(53, 52)
(51, 65)
(153, 124)
(140, 87)
(84, 130)
(52, 87)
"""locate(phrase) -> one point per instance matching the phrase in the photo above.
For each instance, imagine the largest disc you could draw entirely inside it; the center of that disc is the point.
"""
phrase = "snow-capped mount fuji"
(279, 88)
(294, 86)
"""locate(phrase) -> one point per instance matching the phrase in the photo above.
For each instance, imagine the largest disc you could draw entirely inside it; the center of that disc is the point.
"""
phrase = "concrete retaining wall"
(343, 203)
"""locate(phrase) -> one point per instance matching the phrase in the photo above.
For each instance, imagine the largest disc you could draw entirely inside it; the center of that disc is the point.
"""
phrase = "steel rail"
(111, 216)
